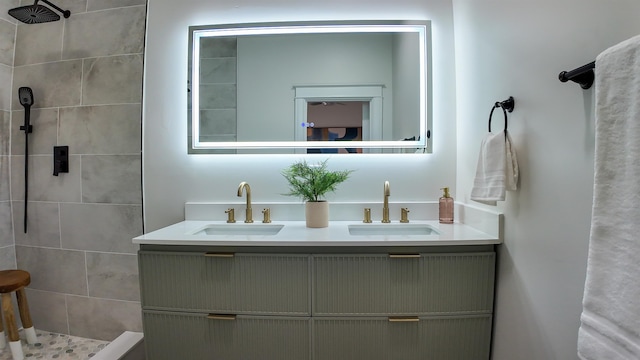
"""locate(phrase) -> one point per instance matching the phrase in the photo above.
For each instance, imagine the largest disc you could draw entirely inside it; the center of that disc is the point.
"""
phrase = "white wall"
(518, 47)
(171, 177)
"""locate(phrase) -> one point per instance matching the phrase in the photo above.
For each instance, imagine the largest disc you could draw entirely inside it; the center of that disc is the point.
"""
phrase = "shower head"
(37, 14)
(25, 95)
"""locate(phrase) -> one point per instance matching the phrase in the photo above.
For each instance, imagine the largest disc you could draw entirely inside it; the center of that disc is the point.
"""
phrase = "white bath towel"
(497, 169)
(610, 327)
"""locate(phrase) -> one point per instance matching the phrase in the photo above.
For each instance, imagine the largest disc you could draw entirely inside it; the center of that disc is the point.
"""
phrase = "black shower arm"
(65, 12)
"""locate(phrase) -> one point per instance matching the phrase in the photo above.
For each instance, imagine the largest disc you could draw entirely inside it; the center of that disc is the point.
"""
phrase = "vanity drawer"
(171, 336)
(225, 283)
(438, 338)
(409, 284)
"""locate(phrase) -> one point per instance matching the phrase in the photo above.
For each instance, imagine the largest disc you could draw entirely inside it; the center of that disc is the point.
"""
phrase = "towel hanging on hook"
(506, 105)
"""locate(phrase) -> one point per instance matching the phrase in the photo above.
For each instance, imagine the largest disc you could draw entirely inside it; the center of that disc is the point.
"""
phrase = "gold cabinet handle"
(404, 319)
(221, 317)
(404, 256)
(219, 255)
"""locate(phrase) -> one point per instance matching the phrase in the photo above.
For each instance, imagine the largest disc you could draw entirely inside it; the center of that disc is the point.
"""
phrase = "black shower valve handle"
(29, 127)
(60, 160)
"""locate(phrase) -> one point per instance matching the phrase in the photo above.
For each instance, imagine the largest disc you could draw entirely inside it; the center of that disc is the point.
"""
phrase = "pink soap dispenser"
(446, 207)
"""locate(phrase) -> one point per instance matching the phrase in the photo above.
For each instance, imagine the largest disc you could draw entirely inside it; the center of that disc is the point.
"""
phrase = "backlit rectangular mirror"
(313, 87)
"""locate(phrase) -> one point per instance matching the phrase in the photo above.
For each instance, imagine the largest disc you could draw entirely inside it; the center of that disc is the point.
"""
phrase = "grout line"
(66, 311)
(60, 224)
(86, 273)
(77, 250)
(78, 59)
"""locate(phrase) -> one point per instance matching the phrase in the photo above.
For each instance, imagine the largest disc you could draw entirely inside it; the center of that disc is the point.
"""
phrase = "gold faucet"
(248, 212)
(385, 207)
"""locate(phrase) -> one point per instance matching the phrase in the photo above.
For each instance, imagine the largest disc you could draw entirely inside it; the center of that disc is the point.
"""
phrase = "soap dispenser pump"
(446, 207)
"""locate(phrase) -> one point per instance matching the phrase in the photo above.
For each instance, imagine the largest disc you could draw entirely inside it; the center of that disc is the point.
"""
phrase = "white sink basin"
(240, 229)
(392, 229)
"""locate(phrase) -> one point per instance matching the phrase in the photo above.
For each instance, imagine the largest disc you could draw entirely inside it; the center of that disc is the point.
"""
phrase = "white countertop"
(295, 233)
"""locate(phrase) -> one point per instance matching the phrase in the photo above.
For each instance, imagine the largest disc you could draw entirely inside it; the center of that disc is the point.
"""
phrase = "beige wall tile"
(48, 310)
(5, 90)
(5, 166)
(53, 84)
(112, 80)
(7, 257)
(7, 42)
(75, 6)
(113, 276)
(100, 227)
(108, 129)
(100, 33)
(109, 4)
(113, 179)
(62, 271)
(44, 135)
(39, 43)
(43, 224)
(43, 186)
(6, 230)
(5, 5)
(5, 130)
(89, 318)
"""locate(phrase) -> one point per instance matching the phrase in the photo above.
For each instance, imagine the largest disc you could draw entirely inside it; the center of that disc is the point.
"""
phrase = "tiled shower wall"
(7, 42)
(86, 75)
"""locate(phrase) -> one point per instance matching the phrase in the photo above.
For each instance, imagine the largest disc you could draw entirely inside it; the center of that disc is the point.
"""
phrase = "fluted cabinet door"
(238, 284)
(260, 338)
(428, 338)
(173, 335)
(425, 284)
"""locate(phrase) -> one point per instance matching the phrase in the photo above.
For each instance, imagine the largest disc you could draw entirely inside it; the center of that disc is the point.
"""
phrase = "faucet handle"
(367, 216)
(404, 215)
(266, 215)
(231, 217)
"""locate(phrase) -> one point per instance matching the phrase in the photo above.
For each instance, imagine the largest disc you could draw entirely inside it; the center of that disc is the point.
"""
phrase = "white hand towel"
(497, 169)
(610, 327)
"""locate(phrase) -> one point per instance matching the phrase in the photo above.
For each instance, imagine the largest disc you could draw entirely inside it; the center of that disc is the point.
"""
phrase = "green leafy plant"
(312, 181)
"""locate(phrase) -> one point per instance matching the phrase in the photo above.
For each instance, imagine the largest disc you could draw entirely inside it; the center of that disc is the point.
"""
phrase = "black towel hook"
(506, 105)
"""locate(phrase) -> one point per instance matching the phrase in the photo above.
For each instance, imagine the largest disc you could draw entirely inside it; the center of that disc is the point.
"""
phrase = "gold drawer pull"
(220, 255)
(404, 319)
(221, 317)
(404, 256)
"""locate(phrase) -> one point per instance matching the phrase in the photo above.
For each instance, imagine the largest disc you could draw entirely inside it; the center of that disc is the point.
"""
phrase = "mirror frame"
(421, 27)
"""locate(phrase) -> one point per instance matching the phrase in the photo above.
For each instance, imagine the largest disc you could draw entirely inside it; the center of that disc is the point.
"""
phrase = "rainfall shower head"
(37, 14)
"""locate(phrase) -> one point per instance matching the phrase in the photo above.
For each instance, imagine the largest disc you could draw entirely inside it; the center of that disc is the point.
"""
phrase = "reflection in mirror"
(301, 88)
(335, 121)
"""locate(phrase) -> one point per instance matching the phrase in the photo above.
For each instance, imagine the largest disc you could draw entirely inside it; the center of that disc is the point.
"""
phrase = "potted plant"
(311, 182)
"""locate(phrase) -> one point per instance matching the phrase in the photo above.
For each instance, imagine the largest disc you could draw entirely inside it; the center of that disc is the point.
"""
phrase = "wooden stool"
(15, 281)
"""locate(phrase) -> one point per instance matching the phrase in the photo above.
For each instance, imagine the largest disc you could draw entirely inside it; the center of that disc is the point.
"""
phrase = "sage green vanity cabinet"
(316, 303)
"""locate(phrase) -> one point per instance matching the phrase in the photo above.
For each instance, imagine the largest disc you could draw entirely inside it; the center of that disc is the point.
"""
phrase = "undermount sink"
(240, 229)
(392, 229)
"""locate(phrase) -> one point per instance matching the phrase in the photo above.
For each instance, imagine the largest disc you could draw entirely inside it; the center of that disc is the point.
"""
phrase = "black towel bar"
(582, 75)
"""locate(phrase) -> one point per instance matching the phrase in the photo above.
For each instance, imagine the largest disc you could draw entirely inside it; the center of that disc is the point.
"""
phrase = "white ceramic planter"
(317, 214)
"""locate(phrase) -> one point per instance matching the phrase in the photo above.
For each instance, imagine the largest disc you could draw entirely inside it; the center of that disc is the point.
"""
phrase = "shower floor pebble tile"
(52, 346)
